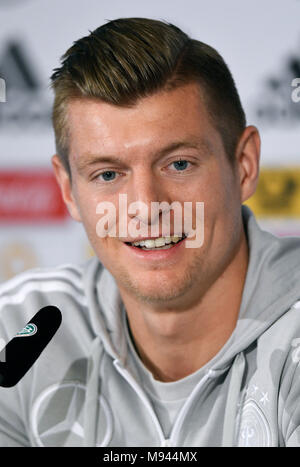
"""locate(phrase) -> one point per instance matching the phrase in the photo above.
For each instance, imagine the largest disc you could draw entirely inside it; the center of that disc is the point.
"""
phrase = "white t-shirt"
(166, 398)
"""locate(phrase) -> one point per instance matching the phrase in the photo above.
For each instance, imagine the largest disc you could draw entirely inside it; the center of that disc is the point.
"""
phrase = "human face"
(133, 151)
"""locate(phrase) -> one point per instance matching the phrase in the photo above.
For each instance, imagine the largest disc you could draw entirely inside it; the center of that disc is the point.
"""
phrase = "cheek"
(222, 207)
(87, 201)
(221, 190)
(88, 213)
(89, 221)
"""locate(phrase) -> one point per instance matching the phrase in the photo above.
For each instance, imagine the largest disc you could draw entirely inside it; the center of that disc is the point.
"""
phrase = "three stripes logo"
(27, 97)
(275, 102)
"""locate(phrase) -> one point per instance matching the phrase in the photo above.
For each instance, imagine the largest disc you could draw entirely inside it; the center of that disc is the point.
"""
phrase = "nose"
(145, 189)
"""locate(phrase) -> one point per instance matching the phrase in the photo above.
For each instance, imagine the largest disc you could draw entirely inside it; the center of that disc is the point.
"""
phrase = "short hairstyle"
(127, 59)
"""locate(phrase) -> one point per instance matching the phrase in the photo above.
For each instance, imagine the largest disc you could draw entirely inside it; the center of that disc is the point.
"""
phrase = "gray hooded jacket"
(82, 391)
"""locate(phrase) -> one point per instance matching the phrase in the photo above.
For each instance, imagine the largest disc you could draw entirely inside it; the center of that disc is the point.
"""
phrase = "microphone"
(23, 350)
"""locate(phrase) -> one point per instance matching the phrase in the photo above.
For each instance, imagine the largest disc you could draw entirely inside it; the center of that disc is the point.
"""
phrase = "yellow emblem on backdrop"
(16, 258)
(277, 194)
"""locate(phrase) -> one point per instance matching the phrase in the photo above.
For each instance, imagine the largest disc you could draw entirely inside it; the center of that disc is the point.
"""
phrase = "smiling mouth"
(161, 243)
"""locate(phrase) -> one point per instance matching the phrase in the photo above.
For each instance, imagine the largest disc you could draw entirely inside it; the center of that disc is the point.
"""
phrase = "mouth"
(160, 243)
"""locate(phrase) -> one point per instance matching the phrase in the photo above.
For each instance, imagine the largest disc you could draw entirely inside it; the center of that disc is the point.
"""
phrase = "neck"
(174, 344)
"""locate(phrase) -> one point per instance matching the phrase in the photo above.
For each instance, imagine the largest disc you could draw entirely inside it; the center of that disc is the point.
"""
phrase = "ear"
(64, 181)
(247, 157)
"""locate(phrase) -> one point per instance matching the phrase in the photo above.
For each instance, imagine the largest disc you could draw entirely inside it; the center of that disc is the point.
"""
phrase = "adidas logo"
(276, 103)
(28, 103)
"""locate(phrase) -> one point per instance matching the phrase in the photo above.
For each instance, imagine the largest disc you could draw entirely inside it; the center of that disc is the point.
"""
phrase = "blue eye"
(108, 175)
(180, 165)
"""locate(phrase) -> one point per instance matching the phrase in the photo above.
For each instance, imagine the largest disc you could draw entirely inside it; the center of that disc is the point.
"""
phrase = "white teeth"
(158, 242)
(166, 247)
(149, 243)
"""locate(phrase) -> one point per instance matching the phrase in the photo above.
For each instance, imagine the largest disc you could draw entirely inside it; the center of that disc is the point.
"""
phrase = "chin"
(158, 288)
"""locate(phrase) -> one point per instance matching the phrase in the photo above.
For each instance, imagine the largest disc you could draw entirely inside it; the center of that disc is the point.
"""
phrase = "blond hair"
(130, 58)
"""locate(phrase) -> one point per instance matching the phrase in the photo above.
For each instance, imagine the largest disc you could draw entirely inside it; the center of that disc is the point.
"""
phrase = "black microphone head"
(23, 350)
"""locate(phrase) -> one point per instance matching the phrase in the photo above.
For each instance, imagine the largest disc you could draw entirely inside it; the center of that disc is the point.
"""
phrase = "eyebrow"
(89, 160)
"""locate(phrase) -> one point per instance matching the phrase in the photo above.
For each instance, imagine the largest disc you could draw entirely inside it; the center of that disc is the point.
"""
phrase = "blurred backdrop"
(260, 42)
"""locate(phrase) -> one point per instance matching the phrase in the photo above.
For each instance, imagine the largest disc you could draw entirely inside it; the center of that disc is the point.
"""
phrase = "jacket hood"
(271, 287)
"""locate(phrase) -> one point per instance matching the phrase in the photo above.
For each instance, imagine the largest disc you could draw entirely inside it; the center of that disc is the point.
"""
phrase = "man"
(161, 344)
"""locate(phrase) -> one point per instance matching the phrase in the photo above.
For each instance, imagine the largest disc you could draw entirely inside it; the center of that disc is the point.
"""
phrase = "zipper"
(130, 379)
(175, 432)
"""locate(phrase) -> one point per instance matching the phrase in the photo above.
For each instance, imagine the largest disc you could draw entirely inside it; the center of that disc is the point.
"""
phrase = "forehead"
(155, 121)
